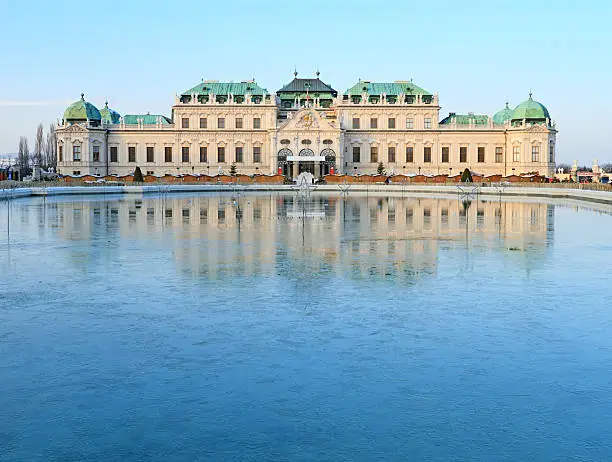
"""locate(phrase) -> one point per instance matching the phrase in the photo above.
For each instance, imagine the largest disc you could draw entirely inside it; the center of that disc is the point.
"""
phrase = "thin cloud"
(32, 103)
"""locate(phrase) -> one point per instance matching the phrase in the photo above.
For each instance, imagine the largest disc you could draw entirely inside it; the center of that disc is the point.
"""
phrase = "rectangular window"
(409, 154)
(427, 122)
(355, 123)
(427, 154)
(374, 154)
(356, 154)
(150, 154)
(113, 154)
(373, 122)
(481, 154)
(76, 172)
(168, 154)
(391, 123)
(463, 154)
(203, 154)
(61, 153)
(445, 154)
(551, 153)
(185, 154)
(203, 122)
(238, 122)
(185, 122)
(409, 123)
(131, 153)
(96, 154)
(516, 154)
(221, 154)
(391, 154)
(257, 154)
(221, 122)
(256, 123)
(535, 153)
(499, 154)
(239, 152)
(149, 172)
(76, 153)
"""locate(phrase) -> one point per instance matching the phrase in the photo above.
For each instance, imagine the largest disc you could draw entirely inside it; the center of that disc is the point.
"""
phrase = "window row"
(239, 123)
(240, 155)
(427, 154)
(356, 125)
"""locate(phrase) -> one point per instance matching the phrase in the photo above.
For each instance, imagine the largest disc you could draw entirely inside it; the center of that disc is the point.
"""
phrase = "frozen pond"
(282, 327)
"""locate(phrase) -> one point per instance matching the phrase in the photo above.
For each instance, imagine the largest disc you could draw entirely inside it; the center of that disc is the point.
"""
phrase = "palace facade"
(306, 126)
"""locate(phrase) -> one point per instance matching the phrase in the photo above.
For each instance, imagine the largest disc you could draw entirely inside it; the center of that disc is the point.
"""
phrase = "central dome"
(82, 111)
(530, 110)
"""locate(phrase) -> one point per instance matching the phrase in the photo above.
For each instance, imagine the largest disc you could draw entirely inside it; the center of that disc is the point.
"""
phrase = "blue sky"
(475, 54)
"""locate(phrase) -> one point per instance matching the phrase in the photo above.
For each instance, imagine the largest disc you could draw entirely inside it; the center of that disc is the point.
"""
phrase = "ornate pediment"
(537, 128)
(308, 119)
(75, 128)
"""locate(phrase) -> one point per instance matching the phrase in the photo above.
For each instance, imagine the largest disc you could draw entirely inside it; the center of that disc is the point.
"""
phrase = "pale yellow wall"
(337, 127)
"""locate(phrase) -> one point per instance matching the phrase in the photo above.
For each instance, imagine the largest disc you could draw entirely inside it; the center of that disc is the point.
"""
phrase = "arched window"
(306, 142)
(330, 156)
(285, 141)
(283, 153)
(328, 142)
(306, 153)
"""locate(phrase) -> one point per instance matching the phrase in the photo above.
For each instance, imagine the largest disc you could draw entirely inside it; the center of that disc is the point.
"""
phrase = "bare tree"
(566, 167)
(607, 167)
(38, 146)
(23, 158)
(50, 149)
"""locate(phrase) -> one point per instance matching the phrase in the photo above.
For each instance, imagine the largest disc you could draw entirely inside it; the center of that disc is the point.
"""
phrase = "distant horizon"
(498, 54)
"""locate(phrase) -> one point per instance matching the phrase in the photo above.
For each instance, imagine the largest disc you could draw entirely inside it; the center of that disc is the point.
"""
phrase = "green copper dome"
(108, 115)
(81, 110)
(530, 110)
(503, 116)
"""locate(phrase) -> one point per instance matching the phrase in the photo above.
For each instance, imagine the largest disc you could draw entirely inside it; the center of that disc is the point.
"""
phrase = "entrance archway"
(306, 166)
(282, 161)
(330, 160)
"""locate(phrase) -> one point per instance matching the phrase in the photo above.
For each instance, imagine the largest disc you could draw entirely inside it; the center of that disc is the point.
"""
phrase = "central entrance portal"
(308, 167)
(319, 165)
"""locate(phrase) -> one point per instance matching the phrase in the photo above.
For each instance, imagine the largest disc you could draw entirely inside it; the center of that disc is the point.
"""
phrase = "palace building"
(306, 126)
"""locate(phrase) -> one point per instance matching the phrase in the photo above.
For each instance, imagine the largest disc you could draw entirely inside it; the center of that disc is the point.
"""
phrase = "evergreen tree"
(232, 171)
(381, 169)
(138, 176)
(466, 176)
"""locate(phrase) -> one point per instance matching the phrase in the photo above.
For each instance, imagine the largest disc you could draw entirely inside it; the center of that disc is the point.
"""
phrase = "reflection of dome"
(82, 111)
(503, 116)
(108, 115)
(530, 110)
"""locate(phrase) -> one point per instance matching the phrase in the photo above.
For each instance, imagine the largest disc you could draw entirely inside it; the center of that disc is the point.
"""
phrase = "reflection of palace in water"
(361, 236)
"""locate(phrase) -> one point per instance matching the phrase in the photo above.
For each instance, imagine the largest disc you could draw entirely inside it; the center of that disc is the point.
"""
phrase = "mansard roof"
(389, 88)
(82, 110)
(465, 119)
(147, 119)
(530, 110)
(226, 88)
(313, 86)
